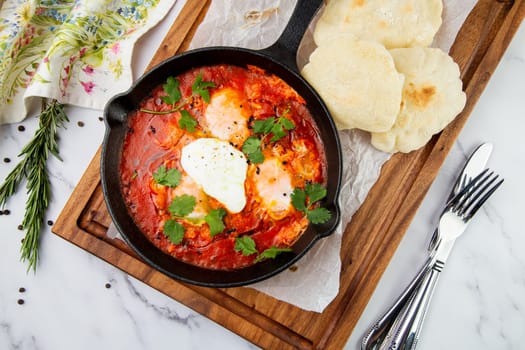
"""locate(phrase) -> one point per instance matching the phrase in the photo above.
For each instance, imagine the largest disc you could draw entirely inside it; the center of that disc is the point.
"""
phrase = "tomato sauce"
(155, 138)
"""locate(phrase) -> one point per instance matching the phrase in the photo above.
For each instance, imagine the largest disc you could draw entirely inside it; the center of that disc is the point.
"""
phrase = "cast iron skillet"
(278, 59)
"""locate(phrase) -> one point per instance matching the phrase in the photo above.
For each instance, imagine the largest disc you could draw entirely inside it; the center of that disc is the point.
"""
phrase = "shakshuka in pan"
(223, 167)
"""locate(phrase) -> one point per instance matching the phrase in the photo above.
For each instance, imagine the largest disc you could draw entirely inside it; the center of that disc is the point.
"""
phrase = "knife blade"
(474, 165)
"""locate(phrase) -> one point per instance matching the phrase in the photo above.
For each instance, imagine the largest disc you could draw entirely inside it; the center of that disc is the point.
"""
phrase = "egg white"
(219, 168)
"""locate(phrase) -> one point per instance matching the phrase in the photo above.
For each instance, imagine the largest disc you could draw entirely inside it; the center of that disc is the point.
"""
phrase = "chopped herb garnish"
(252, 149)
(280, 128)
(200, 88)
(271, 253)
(318, 215)
(179, 207)
(263, 126)
(315, 192)
(174, 231)
(182, 205)
(277, 126)
(186, 121)
(304, 199)
(214, 220)
(299, 199)
(171, 88)
(245, 245)
(174, 95)
(165, 177)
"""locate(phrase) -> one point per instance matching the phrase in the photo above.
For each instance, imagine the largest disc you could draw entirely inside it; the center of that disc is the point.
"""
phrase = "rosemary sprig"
(33, 167)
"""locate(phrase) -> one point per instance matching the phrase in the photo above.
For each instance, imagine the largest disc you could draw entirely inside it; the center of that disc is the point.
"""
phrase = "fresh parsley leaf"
(214, 220)
(182, 205)
(200, 88)
(165, 177)
(318, 215)
(256, 158)
(303, 200)
(315, 192)
(287, 123)
(174, 95)
(252, 149)
(172, 178)
(299, 199)
(271, 253)
(171, 88)
(251, 145)
(278, 127)
(245, 245)
(174, 231)
(277, 133)
(186, 121)
(263, 126)
(160, 173)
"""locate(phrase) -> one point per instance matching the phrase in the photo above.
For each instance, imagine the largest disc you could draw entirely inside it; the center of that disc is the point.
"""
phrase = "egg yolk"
(226, 117)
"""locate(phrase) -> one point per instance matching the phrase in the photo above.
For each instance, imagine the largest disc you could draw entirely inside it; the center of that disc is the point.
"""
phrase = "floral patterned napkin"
(78, 52)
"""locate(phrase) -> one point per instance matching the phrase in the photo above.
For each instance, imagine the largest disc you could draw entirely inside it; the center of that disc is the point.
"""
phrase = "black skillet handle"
(284, 50)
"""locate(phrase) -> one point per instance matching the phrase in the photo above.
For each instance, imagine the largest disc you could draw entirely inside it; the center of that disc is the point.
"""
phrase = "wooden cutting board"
(370, 239)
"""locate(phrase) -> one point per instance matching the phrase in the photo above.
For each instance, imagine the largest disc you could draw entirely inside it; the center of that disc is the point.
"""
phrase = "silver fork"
(404, 332)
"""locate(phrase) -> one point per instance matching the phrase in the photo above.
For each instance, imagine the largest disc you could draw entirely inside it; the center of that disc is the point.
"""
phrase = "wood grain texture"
(371, 238)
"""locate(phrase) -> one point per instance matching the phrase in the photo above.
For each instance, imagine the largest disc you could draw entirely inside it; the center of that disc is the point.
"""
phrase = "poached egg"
(274, 186)
(226, 117)
(219, 168)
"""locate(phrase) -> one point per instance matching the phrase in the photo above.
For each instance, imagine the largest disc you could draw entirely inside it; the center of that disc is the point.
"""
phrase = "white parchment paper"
(256, 24)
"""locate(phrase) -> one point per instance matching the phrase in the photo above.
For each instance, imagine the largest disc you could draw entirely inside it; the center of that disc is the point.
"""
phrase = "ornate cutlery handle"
(430, 282)
(405, 330)
(377, 332)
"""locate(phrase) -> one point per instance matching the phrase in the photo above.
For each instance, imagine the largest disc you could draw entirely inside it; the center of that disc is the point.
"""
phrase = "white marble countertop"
(77, 301)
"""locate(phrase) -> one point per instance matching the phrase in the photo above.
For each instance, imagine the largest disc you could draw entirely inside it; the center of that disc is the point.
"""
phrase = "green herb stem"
(33, 167)
(175, 109)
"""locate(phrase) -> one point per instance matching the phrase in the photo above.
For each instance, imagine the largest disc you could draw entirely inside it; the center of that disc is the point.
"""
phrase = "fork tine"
(462, 195)
(479, 187)
(470, 199)
(483, 199)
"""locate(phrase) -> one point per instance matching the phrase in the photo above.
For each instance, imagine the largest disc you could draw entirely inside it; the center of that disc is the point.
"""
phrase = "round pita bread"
(432, 98)
(358, 82)
(401, 23)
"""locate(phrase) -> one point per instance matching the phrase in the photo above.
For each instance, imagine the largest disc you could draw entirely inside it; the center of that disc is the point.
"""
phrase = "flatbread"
(394, 23)
(432, 98)
(358, 81)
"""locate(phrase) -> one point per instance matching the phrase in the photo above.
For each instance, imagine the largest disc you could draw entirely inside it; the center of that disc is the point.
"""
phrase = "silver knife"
(473, 166)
